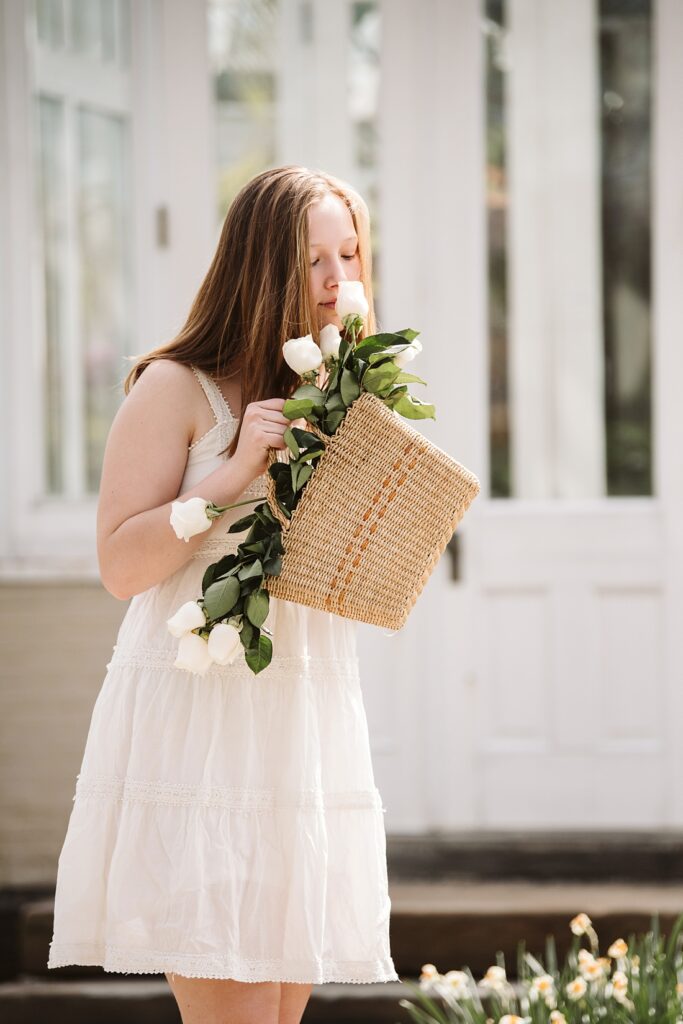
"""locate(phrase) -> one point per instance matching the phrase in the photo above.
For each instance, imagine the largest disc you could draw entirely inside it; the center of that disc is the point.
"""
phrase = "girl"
(226, 830)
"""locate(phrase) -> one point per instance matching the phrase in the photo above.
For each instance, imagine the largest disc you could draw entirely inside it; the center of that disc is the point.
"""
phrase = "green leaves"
(300, 473)
(414, 409)
(256, 607)
(377, 342)
(242, 524)
(251, 571)
(260, 655)
(220, 598)
(307, 401)
(334, 419)
(218, 569)
(311, 393)
(380, 379)
(350, 388)
(296, 407)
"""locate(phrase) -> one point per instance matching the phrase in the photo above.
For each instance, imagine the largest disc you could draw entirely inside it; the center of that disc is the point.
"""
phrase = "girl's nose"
(337, 273)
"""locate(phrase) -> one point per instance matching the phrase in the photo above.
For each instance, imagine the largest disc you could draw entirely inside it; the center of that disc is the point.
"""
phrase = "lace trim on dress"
(225, 429)
(233, 798)
(281, 669)
(215, 547)
(125, 960)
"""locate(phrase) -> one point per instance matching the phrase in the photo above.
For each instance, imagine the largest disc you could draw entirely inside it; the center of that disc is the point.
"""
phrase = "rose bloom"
(330, 339)
(193, 654)
(351, 299)
(189, 517)
(188, 617)
(224, 643)
(302, 354)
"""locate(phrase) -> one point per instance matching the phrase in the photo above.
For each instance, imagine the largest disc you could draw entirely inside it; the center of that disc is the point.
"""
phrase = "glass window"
(364, 72)
(98, 29)
(243, 54)
(105, 280)
(622, 60)
(626, 93)
(52, 207)
(83, 209)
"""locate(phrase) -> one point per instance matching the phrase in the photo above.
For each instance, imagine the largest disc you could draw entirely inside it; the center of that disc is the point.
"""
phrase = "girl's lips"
(329, 305)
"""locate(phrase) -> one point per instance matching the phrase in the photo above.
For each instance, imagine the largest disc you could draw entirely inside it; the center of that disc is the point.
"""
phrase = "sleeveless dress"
(226, 825)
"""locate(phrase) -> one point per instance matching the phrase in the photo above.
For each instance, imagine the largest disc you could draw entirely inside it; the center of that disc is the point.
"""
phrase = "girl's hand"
(263, 427)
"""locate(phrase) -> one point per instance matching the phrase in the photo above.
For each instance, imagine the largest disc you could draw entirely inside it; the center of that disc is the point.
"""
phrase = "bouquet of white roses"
(229, 616)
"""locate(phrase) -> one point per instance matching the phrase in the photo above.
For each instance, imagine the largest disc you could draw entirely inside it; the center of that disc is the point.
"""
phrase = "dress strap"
(219, 406)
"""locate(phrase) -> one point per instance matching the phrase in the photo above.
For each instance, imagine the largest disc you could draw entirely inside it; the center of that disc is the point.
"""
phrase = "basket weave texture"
(373, 519)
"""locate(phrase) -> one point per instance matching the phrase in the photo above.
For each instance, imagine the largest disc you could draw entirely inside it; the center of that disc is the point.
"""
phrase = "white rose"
(188, 617)
(193, 654)
(224, 643)
(189, 517)
(408, 354)
(302, 354)
(351, 299)
(330, 339)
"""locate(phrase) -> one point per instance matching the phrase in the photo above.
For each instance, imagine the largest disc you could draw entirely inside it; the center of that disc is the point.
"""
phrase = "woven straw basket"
(373, 520)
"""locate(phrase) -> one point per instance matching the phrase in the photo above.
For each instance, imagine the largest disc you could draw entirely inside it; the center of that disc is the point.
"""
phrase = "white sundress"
(227, 825)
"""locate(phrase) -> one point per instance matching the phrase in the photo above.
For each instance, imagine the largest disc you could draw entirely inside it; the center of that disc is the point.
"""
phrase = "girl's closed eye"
(353, 256)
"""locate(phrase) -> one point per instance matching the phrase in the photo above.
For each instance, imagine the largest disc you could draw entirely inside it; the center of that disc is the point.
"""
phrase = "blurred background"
(523, 165)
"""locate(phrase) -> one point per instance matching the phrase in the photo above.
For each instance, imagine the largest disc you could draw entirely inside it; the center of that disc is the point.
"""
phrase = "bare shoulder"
(163, 378)
(147, 447)
(169, 390)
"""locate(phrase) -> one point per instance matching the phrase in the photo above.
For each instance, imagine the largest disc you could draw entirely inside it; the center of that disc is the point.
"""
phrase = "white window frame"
(45, 536)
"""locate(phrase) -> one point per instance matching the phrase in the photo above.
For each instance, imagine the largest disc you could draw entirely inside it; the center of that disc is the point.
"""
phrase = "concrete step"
(461, 922)
(492, 855)
(150, 1001)
(453, 923)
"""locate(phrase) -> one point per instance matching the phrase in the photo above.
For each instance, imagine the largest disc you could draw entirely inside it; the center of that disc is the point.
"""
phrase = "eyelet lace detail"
(122, 959)
(231, 798)
(283, 668)
(215, 547)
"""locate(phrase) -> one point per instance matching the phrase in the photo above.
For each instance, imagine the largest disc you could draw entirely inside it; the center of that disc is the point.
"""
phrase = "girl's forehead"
(330, 218)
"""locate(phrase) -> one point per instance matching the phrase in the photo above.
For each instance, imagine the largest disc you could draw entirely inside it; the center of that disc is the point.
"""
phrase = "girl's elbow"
(113, 578)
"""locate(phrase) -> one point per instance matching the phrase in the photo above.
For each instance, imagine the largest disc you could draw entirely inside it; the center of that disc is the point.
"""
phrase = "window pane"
(621, 57)
(105, 280)
(84, 207)
(626, 87)
(50, 23)
(364, 71)
(86, 27)
(51, 213)
(496, 204)
(242, 47)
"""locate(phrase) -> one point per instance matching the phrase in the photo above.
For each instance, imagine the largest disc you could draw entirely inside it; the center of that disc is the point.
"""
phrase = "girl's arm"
(144, 463)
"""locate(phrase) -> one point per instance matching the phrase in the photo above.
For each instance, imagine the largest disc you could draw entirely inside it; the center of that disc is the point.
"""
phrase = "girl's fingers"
(269, 434)
(272, 403)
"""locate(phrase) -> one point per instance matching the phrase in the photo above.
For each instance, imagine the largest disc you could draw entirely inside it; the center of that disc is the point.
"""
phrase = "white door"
(542, 687)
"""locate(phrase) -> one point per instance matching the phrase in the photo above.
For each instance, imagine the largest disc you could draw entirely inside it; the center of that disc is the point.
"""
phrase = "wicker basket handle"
(270, 483)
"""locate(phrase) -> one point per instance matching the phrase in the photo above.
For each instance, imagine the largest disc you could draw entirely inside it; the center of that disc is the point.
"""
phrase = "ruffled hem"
(114, 959)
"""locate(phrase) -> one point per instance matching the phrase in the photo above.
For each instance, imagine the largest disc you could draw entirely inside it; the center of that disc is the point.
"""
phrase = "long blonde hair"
(255, 295)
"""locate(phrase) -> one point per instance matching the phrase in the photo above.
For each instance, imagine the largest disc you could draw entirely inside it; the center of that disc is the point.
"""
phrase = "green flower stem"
(213, 511)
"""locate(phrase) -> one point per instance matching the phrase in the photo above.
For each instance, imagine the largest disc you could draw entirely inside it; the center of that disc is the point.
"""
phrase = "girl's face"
(333, 254)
